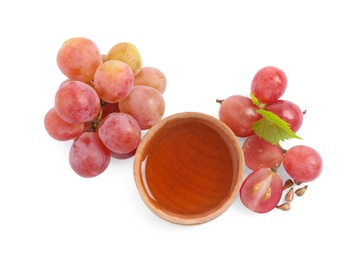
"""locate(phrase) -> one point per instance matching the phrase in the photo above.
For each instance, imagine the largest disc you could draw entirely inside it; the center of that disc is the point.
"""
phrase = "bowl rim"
(232, 141)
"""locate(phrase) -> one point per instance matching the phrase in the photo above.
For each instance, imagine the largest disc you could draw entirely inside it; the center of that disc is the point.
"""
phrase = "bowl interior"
(188, 168)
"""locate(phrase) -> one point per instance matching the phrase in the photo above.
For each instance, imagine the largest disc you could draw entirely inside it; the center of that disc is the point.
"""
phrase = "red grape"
(113, 81)
(145, 104)
(123, 156)
(120, 132)
(59, 129)
(303, 163)
(261, 190)
(152, 77)
(269, 84)
(109, 108)
(259, 153)
(88, 156)
(76, 102)
(239, 113)
(78, 59)
(287, 111)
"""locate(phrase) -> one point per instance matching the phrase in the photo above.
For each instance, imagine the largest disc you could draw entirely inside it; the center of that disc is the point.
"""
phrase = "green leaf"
(254, 99)
(272, 128)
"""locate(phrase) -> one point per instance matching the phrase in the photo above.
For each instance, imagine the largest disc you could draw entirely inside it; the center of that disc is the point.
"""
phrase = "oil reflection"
(144, 178)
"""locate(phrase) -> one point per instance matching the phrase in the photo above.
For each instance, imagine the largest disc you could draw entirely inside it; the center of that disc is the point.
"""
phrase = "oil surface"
(188, 168)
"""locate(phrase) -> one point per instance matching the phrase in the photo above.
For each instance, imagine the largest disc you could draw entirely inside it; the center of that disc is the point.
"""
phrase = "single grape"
(113, 81)
(76, 102)
(128, 53)
(239, 113)
(120, 132)
(287, 111)
(109, 108)
(145, 104)
(78, 58)
(59, 129)
(269, 84)
(88, 156)
(152, 77)
(123, 156)
(259, 153)
(303, 163)
(261, 190)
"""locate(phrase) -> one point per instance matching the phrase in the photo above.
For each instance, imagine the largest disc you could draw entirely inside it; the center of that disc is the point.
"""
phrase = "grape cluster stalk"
(104, 103)
(265, 121)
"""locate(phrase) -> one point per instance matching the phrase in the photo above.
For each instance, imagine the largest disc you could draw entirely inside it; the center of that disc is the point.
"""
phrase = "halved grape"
(269, 84)
(239, 113)
(259, 153)
(261, 190)
(303, 163)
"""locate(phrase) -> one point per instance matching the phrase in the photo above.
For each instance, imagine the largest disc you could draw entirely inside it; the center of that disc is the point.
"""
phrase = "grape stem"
(220, 101)
(97, 120)
(275, 168)
(283, 150)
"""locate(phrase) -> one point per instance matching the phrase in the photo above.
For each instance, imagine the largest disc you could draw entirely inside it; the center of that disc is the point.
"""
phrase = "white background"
(208, 50)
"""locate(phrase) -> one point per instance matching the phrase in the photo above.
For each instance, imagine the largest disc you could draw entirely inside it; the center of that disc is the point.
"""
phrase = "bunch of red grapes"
(261, 119)
(104, 103)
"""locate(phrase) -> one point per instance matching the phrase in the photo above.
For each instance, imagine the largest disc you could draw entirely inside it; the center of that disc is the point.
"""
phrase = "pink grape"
(120, 132)
(261, 190)
(269, 84)
(123, 156)
(287, 111)
(128, 53)
(76, 102)
(78, 59)
(259, 153)
(303, 163)
(59, 129)
(152, 77)
(109, 108)
(113, 81)
(88, 156)
(145, 104)
(239, 113)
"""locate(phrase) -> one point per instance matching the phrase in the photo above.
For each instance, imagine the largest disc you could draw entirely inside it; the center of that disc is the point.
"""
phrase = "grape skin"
(239, 113)
(78, 58)
(109, 108)
(88, 156)
(76, 102)
(120, 133)
(113, 81)
(259, 153)
(123, 156)
(152, 77)
(287, 111)
(145, 104)
(59, 129)
(303, 163)
(268, 84)
(128, 53)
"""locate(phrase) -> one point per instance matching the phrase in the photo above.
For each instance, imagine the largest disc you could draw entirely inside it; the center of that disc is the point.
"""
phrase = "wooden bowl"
(189, 168)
